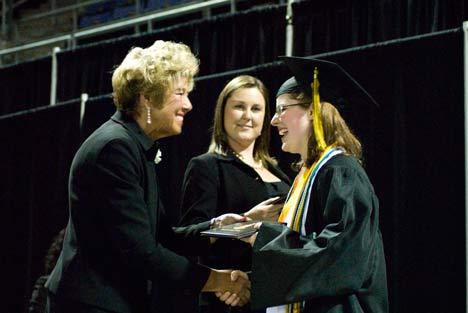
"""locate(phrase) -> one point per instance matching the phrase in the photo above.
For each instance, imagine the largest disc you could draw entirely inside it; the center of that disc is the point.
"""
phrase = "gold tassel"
(316, 114)
(297, 307)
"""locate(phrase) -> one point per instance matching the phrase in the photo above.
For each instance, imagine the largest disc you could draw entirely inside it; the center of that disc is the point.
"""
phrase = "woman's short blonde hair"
(219, 143)
(151, 72)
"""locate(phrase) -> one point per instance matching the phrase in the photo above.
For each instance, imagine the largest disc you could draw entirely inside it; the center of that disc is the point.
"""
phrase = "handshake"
(230, 286)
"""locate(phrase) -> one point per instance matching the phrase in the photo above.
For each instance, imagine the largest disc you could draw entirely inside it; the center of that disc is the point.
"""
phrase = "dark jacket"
(339, 266)
(117, 239)
(213, 185)
(37, 302)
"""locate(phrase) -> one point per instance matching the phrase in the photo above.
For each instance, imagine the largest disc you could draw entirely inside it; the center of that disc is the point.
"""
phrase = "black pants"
(55, 305)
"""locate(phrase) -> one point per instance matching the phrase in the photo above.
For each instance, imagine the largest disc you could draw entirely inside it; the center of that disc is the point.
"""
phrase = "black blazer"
(117, 239)
(215, 184)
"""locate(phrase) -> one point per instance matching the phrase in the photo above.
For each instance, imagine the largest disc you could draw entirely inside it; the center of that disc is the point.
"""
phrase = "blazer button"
(256, 178)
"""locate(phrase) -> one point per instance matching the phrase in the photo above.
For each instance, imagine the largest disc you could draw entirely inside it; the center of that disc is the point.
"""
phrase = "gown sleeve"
(288, 267)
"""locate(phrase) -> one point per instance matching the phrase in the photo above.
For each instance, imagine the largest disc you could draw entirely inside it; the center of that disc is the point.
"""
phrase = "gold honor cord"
(316, 114)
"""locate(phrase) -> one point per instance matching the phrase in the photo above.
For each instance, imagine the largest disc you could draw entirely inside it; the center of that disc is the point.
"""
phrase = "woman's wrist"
(214, 223)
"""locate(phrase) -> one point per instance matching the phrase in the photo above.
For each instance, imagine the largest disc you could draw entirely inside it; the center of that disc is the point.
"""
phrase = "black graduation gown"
(339, 266)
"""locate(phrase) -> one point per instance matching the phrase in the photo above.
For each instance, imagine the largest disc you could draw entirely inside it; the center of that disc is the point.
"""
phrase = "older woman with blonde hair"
(236, 175)
(118, 246)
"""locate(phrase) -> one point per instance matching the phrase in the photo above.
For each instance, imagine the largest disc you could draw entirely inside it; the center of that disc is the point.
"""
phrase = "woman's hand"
(231, 287)
(251, 239)
(267, 210)
(227, 219)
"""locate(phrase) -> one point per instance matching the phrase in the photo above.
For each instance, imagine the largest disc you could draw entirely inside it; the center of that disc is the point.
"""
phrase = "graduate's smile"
(293, 125)
(282, 132)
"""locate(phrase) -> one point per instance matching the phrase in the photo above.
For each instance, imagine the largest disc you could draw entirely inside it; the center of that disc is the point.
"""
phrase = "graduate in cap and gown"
(326, 253)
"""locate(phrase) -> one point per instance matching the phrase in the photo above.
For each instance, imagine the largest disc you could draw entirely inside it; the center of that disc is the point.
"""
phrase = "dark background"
(407, 54)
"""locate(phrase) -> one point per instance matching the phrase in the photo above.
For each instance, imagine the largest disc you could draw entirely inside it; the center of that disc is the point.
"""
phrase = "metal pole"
(75, 21)
(233, 6)
(7, 19)
(137, 7)
(206, 13)
(53, 77)
(53, 6)
(157, 15)
(465, 59)
(4, 17)
(289, 29)
(84, 99)
(137, 12)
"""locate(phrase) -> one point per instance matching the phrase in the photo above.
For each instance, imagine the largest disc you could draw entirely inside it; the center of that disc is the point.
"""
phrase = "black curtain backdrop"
(39, 146)
(415, 158)
(413, 146)
(226, 42)
(321, 26)
(25, 86)
(233, 41)
(413, 154)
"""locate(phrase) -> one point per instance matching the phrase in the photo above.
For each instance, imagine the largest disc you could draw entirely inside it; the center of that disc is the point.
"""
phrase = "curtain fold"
(233, 41)
(414, 155)
(25, 85)
(412, 143)
(334, 25)
(225, 42)
(40, 145)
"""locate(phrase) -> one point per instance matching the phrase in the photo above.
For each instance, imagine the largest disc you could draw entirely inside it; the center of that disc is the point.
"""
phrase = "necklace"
(240, 157)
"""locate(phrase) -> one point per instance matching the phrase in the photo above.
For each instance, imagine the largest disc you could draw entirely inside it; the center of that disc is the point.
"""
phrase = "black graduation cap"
(336, 85)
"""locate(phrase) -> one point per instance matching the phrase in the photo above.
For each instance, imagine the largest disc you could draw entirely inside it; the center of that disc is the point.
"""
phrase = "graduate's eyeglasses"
(280, 108)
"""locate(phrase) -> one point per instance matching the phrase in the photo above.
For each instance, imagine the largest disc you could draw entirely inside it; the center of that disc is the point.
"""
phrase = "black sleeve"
(199, 192)
(126, 220)
(37, 302)
(288, 267)
(185, 240)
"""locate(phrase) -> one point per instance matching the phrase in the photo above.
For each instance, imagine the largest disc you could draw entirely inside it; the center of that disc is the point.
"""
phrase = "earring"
(148, 115)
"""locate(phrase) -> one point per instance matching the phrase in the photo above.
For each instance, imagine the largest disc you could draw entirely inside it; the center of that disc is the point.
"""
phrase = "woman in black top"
(236, 175)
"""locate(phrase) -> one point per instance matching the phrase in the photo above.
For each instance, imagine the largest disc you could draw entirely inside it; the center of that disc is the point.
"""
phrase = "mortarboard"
(326, 81)
(336, 85)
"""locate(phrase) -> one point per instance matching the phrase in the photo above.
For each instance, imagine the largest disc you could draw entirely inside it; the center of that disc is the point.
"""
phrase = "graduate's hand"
(231, 287)
(232, 299)
(267, 210)
(250, 240)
